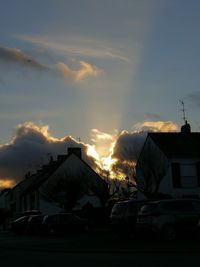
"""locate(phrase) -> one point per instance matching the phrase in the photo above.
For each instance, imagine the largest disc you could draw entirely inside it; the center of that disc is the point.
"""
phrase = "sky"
(94, 71)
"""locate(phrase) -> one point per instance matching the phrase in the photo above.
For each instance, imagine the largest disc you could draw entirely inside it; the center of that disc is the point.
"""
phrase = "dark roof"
(42, 175)
(184, 145)
(48, 170)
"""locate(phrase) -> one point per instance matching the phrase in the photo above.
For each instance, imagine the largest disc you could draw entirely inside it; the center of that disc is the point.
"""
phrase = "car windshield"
(118, 208)
(24, 218)
(135, 206)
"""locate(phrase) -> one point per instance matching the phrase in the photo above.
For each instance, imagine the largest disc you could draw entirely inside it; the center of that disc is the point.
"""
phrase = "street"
(30, 258)
(99, 248)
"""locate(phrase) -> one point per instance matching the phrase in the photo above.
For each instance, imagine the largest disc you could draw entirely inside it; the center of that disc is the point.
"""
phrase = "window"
(184, 175)
(178, 206)
(188, 175)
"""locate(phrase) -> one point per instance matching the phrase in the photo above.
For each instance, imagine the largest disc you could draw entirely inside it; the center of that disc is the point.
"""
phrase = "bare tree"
(152, 166)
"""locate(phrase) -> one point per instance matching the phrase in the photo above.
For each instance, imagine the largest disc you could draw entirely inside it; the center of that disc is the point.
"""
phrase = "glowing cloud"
(30, 148)
(112, 155)
(15, 56)
(85, 70)
(156, 126)
(6, 183)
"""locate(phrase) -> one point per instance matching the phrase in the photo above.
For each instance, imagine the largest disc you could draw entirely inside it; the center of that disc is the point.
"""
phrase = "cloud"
(84, 71)
(32, 145)
(128, 146)
(13, 55)
(156, 126)
(30, 148)
(78, 46)
(103, 142)
(60, 70)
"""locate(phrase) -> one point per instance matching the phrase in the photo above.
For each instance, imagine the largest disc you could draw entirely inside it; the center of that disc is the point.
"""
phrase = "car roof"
(173, 200)
(127, 201)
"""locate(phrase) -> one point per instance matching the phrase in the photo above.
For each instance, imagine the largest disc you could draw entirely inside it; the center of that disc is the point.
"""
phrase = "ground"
(99, 248)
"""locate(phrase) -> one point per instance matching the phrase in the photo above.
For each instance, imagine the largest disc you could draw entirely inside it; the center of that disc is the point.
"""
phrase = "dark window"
(176, 177)
(135, 206)
(118, 208)
(178, 206)
(148, 208)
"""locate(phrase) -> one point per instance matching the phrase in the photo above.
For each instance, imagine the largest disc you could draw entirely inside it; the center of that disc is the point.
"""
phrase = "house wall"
(152, 162)
(74, 169)
(3, 200)
(47, 207)
(151, 153)
(189, 189)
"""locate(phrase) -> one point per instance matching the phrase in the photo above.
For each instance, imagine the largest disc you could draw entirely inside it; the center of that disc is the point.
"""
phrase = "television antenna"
(183, 110)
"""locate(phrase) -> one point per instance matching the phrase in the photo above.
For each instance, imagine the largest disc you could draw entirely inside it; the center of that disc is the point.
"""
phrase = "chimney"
(186, 129)
(75, 150)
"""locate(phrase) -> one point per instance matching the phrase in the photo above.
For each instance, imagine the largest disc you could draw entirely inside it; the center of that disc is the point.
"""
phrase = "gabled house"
(169, 165)
(63, 184)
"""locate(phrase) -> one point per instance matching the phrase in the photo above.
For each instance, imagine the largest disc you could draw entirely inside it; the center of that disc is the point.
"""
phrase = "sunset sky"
(95, 68)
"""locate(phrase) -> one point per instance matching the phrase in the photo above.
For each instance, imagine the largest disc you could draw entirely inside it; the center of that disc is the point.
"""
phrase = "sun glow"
(104, 162)
(7, 183)
(91, 151)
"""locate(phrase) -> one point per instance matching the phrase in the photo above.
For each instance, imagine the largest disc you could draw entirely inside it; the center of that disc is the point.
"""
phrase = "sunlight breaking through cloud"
(111, 155)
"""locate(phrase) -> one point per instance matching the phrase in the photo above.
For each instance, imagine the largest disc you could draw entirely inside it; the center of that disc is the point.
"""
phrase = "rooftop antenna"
(183, 110)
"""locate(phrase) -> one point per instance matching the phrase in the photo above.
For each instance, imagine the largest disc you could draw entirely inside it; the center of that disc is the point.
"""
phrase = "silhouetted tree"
(152, 166)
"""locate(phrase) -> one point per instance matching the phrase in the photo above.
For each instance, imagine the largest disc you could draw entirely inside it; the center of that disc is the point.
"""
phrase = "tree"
(152, 166)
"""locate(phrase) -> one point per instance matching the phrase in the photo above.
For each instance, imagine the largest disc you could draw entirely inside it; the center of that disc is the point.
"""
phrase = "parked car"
(31, 212)
(19, 225)
(123, 216)
(64, 223)
(170, 218)
(34, 224)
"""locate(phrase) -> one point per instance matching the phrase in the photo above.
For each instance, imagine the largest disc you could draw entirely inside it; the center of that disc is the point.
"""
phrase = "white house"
(169, 164)
(61, 185)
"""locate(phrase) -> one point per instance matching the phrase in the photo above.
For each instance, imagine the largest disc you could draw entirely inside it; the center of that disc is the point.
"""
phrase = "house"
(3, 198)
(169, 165)
(61, 185)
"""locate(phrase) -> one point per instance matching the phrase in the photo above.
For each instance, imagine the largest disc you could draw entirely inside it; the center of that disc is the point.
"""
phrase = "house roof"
(48, 170)
(178, 144)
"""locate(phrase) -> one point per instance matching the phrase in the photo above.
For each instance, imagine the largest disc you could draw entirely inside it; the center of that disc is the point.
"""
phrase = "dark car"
(34, 224)
(170, 218)
(64, 223)
(19, 225)
(123, 216)
(31, 212)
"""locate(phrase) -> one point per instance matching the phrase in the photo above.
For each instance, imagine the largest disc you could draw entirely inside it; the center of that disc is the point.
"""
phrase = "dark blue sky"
(102, 65)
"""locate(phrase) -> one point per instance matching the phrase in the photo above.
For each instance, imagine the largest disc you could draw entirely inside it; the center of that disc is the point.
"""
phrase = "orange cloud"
(84, 71)
(156, 126)
(6, 183)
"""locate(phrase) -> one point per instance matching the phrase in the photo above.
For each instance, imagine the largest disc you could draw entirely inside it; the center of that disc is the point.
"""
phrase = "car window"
(178, 206)
(135, 206)
(51, 219)
(148, 207)
(21, 219)
(118, 208)
(64, 217)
